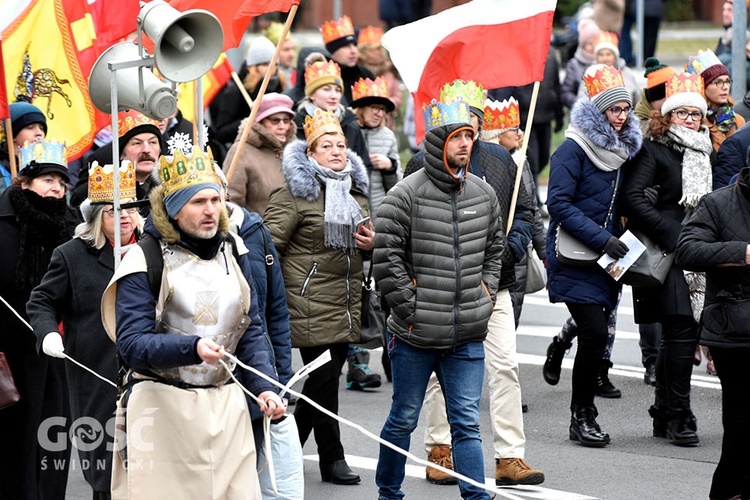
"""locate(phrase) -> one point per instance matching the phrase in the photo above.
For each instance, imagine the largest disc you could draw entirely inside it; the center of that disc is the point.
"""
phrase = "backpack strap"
(154, 262)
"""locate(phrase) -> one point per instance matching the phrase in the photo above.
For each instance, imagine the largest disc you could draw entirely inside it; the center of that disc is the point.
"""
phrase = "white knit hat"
(684, 89)
(260, 52)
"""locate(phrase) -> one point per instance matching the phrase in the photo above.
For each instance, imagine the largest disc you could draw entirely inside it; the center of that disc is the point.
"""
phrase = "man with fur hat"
(28, 124)
(188, 256)
(139, 141)
(338, 37)
(442, 328)
(492, 163)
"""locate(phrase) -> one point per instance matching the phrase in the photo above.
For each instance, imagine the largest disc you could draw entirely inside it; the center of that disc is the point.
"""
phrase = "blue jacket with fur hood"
(323, 285)
(578, 199)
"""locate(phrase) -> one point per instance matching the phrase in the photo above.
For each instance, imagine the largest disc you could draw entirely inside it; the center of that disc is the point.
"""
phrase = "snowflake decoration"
(204, 134)
(180, 141)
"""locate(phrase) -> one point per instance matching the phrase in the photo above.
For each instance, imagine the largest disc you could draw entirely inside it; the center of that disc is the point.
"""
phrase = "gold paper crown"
(370, 35)
(470, 91)
(501, 115)
(43, 152)
(322, 73)
(102, 182)
(274, 31)
(364, 87)
(179, 171)
(599, 78)
(685, 82)
(128, 120)
(320, 123)
(333, 30)
(606, 39)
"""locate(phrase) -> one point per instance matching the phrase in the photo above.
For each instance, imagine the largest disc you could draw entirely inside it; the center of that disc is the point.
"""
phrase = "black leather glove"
(615, 248)
(651, 194)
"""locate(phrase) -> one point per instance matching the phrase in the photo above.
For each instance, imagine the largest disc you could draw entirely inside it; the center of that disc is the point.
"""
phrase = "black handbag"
(372, 326)
(570, 251)
(651, 268)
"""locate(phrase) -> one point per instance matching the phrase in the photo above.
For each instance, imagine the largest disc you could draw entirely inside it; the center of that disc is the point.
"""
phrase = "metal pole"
(199, 118)
(639, 15)
(336, 9)
(115, 165)
(739, 57)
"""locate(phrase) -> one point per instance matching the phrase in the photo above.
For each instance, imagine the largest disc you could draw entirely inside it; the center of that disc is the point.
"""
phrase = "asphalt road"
(634, 465)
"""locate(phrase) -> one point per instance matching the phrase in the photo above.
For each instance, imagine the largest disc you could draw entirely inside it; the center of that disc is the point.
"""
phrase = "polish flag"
(496, 43)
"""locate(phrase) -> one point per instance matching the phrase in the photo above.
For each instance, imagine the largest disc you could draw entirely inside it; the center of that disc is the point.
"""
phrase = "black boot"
(660, 421)
(338, 472)
(360, 377)
(604, 387)
(553, 364)
(682, 428)
(584, 429)
(649, 376)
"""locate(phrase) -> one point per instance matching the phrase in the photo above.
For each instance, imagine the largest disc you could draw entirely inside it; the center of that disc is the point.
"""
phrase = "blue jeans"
(460, 372)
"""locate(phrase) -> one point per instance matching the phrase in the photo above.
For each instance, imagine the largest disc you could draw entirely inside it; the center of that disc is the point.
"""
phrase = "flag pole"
(524, 147)
(196, 113)
(242, 88)
(11, 148)
(261, 92)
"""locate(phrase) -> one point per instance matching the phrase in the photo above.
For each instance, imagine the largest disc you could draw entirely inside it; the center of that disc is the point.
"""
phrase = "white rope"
(370, 434)
(64, 354)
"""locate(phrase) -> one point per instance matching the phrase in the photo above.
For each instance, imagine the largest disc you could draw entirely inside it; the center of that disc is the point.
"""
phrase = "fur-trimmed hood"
(592, 123)
(161, 226)
(300, 173)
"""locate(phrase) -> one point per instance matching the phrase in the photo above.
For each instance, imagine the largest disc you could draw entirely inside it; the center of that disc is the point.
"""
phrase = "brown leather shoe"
(510, 471)
(440, 455)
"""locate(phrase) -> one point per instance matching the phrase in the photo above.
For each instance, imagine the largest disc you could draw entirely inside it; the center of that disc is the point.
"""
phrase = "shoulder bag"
(8, 392)
(651, 268)
(372, 322)
(536, 275)
(570, 251)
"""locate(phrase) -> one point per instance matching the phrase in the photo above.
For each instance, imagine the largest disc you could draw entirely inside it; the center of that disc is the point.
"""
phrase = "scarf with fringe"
(341, 211)
(696, 148)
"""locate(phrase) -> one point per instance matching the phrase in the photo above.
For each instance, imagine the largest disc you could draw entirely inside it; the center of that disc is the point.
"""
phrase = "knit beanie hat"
(657, 75)
(23, 114)
(261, 51)
(605, 86)
(587, 31)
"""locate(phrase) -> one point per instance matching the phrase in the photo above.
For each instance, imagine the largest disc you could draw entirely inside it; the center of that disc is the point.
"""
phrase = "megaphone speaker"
(186, 44)
(159, 101)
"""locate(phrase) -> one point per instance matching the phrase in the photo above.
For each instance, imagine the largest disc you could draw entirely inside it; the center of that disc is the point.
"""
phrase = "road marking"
(551, 331)
(539, 299)
(416, 471)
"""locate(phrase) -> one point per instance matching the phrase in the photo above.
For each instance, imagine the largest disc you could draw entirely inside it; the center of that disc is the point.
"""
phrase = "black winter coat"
(731, 157)
(71, 291)
(657, 165)
(715, 241)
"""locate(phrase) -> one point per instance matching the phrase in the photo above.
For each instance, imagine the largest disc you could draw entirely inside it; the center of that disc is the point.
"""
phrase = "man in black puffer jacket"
(438, 242)
(494, 164)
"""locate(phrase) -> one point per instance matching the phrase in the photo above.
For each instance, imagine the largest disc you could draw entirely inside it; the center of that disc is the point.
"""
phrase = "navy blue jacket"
(731, 157)
(142, 349)
(578, 198)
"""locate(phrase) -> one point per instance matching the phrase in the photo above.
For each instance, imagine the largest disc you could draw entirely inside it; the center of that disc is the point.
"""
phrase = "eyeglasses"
(275, 120)
(683, 114)
(724, 82)
(111, 210)
(378, 109)
(617, 110)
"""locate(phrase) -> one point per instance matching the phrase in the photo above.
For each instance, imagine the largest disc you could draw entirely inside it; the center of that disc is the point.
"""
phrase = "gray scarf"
(604, 159)
(341, 211)
(696, 148)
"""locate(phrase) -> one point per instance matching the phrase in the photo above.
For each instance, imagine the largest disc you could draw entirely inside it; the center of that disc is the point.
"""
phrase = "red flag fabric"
(4, 111)
(113, 20)
(235, 15)
(496, 43)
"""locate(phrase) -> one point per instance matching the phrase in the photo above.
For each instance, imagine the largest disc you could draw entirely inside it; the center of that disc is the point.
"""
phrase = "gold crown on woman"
(685, 82)
(501, 115)
(102, 182)
(180, 171)
(600, 78)
(364, 87)
(320, 123)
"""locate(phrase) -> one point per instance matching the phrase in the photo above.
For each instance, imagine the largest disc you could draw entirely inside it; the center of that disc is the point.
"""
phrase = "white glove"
(52, 345)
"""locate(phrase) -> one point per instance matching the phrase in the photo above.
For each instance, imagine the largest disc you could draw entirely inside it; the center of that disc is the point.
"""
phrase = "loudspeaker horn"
(186, 44)
(159, 101)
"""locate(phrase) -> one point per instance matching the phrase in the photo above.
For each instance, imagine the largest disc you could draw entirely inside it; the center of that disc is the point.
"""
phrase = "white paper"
(617, 267)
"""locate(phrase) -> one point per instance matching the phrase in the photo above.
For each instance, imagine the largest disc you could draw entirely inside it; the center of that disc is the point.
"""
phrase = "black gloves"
(651, 194)
(615, 248)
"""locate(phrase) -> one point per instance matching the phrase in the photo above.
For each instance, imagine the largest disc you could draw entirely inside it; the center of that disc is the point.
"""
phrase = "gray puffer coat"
(438, 241)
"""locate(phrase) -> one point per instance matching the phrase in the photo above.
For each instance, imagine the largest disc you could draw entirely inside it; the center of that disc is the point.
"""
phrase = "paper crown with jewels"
(43, 157)
(370, 35)
(181, 171)
(102, 182)
(501, 115)
(607, 40)
(437, 114)
(684, 89)
(366, 92)
(274, 31)
(333, 30)
(129, 120)
(320, 123)
(469, 91)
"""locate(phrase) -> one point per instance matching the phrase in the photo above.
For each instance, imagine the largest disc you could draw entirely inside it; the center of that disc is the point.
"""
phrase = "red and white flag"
(496, 43)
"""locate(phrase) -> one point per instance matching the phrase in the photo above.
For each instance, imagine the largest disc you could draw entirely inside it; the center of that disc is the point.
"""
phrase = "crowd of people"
(234, 256)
